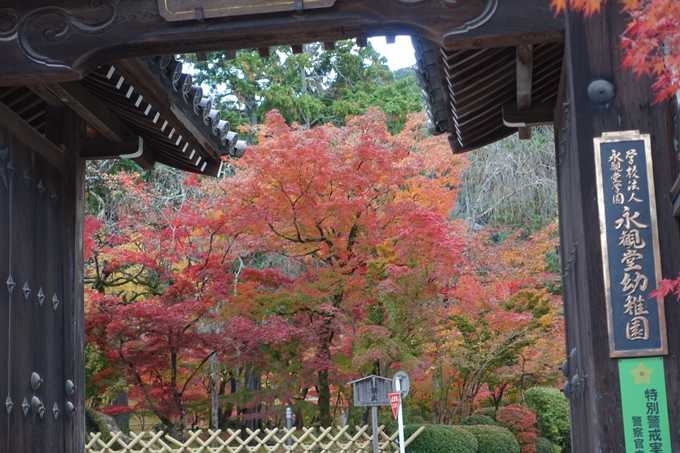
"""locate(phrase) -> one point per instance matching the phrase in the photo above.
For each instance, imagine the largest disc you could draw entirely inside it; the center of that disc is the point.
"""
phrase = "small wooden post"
(374, 427)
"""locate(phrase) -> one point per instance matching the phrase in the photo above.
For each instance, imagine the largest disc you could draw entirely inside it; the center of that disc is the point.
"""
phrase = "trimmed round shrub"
(478, 419)
(521, 422)
(494, 439)
(543, 445)
(552, 412)
(440, 439)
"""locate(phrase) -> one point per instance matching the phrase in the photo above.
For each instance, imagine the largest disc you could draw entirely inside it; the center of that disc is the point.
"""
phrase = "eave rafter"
(142, 109)
(160, 104)
(119, 142)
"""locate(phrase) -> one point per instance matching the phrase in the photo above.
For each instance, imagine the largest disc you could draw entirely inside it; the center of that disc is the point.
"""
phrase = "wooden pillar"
(41, 287)
(592, 53)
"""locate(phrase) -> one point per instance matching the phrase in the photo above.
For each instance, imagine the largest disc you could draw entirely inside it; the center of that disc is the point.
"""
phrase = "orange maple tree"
(361, 216)
(499, 328)
(650, 40)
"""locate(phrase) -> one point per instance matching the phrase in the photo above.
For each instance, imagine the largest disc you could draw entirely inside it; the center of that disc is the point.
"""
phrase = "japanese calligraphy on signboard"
(372, 391)
(173, 10)
(630, 244)
(645, 405)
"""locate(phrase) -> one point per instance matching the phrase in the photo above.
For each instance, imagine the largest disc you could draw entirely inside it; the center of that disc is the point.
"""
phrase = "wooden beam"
(537, 115)
(675, 199)
(145, 159)
(30, 136)
(329, 45)
(297, 49)
(46, 95)
(101, 148)
(97, 115)
(525, 65)
(138, 29)
(91, 110)
(133, 147)
(593, 52)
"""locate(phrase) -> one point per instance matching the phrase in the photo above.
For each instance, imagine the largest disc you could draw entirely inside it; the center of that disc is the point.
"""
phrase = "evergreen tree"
(311, 88)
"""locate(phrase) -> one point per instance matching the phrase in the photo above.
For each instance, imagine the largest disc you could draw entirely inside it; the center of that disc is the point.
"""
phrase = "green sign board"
(645, 408)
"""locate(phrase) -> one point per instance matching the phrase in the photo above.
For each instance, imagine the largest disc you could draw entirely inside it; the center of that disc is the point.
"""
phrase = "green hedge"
(493, 439)
(441, 439)
(488, 411)
(552, 412)
(478, 419)
(543, 445)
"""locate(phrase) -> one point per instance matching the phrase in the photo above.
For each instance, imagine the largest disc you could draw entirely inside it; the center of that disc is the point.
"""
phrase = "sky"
(399, 55)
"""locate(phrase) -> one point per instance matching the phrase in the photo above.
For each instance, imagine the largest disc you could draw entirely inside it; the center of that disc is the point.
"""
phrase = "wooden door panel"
(34, 315)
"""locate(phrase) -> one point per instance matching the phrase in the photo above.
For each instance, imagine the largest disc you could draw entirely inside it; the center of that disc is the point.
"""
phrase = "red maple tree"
(154, 278)
(522, 422)
(650, 40)
(327, 254)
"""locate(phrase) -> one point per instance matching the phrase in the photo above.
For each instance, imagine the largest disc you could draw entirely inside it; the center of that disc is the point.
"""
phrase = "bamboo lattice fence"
(313, 440)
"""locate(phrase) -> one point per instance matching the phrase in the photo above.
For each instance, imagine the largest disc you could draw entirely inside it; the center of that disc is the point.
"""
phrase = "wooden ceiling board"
(487, 111)
(28, 105)
(480, 81)
(482, 90)
(463, 83)
(468, 59)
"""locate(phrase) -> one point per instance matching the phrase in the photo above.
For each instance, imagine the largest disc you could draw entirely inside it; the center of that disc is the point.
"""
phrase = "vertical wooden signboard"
(632, 271)
(630, 244)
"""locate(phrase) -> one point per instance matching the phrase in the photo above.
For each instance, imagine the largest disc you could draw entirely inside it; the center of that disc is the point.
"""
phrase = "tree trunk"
(123, 419)
(299, 420)
(324, 399)
(253, 382)
(214, 385)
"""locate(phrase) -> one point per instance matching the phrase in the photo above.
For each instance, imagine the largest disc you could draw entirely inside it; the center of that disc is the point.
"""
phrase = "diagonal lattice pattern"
(331, 439)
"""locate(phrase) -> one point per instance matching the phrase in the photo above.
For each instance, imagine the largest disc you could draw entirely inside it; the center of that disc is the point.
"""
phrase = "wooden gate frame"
(45, 43)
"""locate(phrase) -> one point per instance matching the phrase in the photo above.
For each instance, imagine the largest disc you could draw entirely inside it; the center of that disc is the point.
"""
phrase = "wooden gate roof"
(141, 108)
(488, 68)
